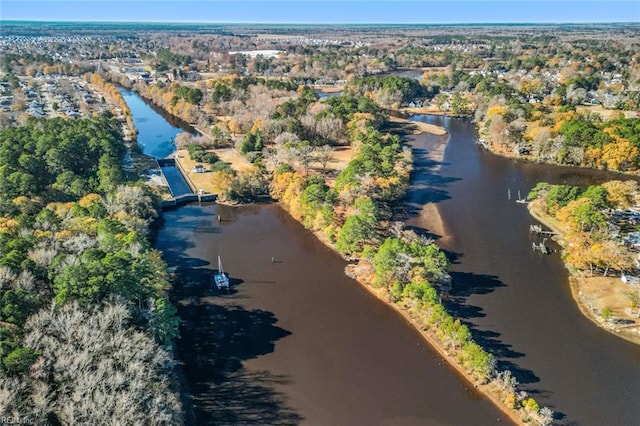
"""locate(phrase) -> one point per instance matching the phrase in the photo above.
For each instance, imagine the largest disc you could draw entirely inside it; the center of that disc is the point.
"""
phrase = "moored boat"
(220, 279)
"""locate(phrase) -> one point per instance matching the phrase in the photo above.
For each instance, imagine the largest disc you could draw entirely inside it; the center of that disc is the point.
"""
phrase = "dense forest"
(83, 297)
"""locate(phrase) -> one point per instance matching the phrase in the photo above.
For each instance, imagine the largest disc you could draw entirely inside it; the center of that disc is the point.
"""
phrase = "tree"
(324, 155)
(109, 173)
(620, 155)
(353, 235)
(621, 194)
(304, 152)
(611, 254)
(252, 141)
(559, 196)
(460, 105)
(578, 250)
(597, 194)
(97, 353)
(582, 215)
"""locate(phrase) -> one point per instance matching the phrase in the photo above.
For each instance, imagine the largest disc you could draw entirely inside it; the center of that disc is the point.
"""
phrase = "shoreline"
(576, 281)
(429, 338)
(434, 223)
(489, 146)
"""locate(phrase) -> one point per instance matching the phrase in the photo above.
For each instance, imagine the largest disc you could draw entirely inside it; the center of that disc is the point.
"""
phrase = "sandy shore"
(594, 293)
(417, 127)
(330, 89)
(430, 217)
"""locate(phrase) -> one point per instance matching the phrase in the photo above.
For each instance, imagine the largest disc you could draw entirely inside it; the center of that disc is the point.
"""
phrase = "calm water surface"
(518, 301)
(294, 340)
(155, 133)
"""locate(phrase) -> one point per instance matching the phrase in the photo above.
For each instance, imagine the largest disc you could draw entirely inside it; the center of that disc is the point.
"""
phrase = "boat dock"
(538, 230)
(541, 247)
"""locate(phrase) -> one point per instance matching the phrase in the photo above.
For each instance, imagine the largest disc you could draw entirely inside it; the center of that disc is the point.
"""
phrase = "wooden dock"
(541, 247)
(538, 230)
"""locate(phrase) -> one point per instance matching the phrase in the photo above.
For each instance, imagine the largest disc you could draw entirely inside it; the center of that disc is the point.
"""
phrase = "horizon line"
(319, 23)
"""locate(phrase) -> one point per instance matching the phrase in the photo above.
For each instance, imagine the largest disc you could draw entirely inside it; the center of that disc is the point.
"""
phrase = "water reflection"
(518, 303)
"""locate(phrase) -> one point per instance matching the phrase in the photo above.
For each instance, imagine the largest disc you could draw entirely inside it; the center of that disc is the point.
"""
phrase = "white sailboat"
(520, 199)
(220, 279)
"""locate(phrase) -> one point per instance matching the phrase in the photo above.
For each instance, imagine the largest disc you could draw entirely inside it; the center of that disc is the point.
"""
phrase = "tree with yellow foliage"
(222, 180)
(620, 154)
(496, 110)
(578, 250)
(581, 215)
(621, 194)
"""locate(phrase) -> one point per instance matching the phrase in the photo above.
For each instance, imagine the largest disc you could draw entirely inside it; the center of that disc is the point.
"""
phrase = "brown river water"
(519, 302)
(295, 341)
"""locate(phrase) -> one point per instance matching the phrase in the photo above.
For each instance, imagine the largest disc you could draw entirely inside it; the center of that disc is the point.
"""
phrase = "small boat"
(520, 199)
(220, 279)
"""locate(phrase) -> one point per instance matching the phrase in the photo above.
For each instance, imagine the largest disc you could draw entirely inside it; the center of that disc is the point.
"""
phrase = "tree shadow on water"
(428, 184)
(215, 341)
(216, 337)
(466, 284)
(247, 397)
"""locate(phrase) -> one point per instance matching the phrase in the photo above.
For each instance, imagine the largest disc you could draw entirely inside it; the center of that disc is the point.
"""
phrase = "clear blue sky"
(314, 11)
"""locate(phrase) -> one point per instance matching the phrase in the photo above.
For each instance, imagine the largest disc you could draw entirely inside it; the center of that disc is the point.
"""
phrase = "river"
(519, 302)
(155, 131)
(296, 341)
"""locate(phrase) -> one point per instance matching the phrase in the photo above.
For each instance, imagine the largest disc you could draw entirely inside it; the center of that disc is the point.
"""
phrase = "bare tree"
(396, 229)
(136, 207)
(95, 369)
(305, 153)
(324, 155)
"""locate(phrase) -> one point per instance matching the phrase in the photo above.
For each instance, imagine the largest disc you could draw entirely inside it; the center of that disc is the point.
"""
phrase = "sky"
(315, 11)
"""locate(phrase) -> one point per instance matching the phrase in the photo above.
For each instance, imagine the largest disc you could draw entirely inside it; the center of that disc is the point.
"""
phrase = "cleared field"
(606, 114)
(233, 158)
(203, 179)
(340, 158)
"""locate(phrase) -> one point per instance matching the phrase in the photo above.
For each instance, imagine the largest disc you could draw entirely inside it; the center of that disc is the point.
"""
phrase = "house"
(632, 240)
(629, 279)
(198, 168)
(192, 76)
